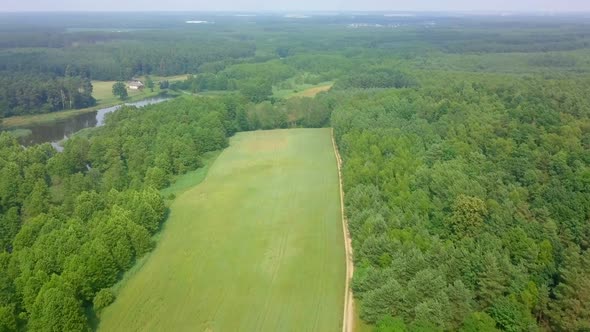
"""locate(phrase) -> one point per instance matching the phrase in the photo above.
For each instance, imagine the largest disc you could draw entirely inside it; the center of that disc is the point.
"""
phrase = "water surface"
(56, 131)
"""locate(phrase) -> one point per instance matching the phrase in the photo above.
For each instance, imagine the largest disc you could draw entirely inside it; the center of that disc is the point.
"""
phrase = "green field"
(257, 246)
(300, 90)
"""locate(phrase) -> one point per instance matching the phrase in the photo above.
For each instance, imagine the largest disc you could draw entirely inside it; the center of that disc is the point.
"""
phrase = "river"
(57, 131)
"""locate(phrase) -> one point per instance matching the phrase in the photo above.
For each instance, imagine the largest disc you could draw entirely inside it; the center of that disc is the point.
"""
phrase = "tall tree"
(120, 90)
(149, 83)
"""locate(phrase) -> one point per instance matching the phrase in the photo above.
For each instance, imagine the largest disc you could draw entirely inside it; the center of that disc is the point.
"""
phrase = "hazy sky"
(294, 5)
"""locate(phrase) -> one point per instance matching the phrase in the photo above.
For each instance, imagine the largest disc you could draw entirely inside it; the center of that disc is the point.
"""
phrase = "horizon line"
(310, 11)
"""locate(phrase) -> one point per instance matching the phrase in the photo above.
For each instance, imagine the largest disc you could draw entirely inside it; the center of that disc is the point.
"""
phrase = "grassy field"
(301, 90)
(312, 92)
(257, 246)
(102, 91)
(191, 179)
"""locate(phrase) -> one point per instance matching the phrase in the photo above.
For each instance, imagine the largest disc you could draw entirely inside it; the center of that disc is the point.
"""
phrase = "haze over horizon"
(303, 5)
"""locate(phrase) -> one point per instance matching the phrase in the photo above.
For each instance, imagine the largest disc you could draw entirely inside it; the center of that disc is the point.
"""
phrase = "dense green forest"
(33, 93)
(45, 60)
(465, 146)
(469, 203)
(72, 222)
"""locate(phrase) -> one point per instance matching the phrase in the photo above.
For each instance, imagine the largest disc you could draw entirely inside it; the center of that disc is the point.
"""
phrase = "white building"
(135, 85)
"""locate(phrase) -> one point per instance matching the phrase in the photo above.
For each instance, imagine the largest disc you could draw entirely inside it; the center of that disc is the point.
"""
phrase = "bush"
(103, 299)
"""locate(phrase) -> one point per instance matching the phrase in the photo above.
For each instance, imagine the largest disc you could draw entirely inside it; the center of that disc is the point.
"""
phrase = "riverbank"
(102, 91)
(28, 120)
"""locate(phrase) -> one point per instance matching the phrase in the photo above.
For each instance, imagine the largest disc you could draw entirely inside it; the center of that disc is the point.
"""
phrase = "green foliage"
(479, 322)
(456, 186)
(149, 83)
(376, 78)
(468, 216)
(390, 324)
(465, 151)
(512, 316)
(103, 299)
(156, 177)
(7, 319)
(61, 253)
(120, 90)
(57, 309)
(26, 93)
(256, 91)
(571, 309)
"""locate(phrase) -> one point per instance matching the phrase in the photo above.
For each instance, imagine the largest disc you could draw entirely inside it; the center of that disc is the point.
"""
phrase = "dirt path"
(348, 318)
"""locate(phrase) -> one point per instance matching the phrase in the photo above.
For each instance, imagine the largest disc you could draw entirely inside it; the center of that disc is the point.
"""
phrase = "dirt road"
(348, 318)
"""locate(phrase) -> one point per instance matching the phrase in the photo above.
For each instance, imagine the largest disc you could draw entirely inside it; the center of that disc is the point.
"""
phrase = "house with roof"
(135, 85)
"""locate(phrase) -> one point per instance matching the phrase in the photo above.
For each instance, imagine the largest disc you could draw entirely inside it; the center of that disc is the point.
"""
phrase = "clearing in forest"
(312, 92)
(257, 246)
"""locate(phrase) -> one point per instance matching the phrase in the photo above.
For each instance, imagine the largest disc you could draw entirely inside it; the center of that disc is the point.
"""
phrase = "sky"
(296, 5)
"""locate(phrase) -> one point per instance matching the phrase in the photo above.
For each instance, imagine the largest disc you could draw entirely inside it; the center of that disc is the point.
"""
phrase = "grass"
(312, 92)
(157, 79)
(102, 91)
(359, 324)
(257, 246)
(180, 184)
(301, 90)
(20, 132)
(191, 179)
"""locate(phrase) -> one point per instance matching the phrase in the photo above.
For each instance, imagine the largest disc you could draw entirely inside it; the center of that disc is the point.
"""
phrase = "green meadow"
(256, 246)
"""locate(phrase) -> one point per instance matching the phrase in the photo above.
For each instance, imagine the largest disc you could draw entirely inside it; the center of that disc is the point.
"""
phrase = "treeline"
(22, 94)
(57, 76)
(72, 223)
(140, 54)
(253, 80)
(375, 78)
(468, 200)
(290, 113)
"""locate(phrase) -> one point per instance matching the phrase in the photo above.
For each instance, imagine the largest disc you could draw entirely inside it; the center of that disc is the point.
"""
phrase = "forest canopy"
(469, 203)
(465, 146)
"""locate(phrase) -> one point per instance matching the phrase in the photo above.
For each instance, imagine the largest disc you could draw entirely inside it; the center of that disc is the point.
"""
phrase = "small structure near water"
(135, 85)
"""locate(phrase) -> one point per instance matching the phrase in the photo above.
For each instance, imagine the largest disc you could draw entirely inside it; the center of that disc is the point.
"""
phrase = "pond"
(57, 131)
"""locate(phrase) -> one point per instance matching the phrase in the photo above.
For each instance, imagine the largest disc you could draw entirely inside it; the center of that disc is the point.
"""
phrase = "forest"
(465, 146)
(73, 222)
(469, 204)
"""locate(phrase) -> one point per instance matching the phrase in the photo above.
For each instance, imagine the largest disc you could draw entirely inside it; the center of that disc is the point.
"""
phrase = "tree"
(468, 216)
(571, 309)
(9, 227)
(491, 283)
(56, 308)
(383, 301)
(479, 322)
(103, 299)
(149, 83)
(37, 201)
(510, 315)
(461, 300)
(257, 90)
(120, 90)
(7, 318)
(156, 177)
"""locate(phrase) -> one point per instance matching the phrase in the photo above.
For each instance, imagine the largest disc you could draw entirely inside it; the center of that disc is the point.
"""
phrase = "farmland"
(257, 246)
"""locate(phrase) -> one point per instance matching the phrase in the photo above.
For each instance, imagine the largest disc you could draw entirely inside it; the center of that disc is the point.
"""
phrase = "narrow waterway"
(57, 131)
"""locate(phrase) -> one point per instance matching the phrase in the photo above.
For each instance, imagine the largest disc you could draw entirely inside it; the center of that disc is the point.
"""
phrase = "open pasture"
(257, 246)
